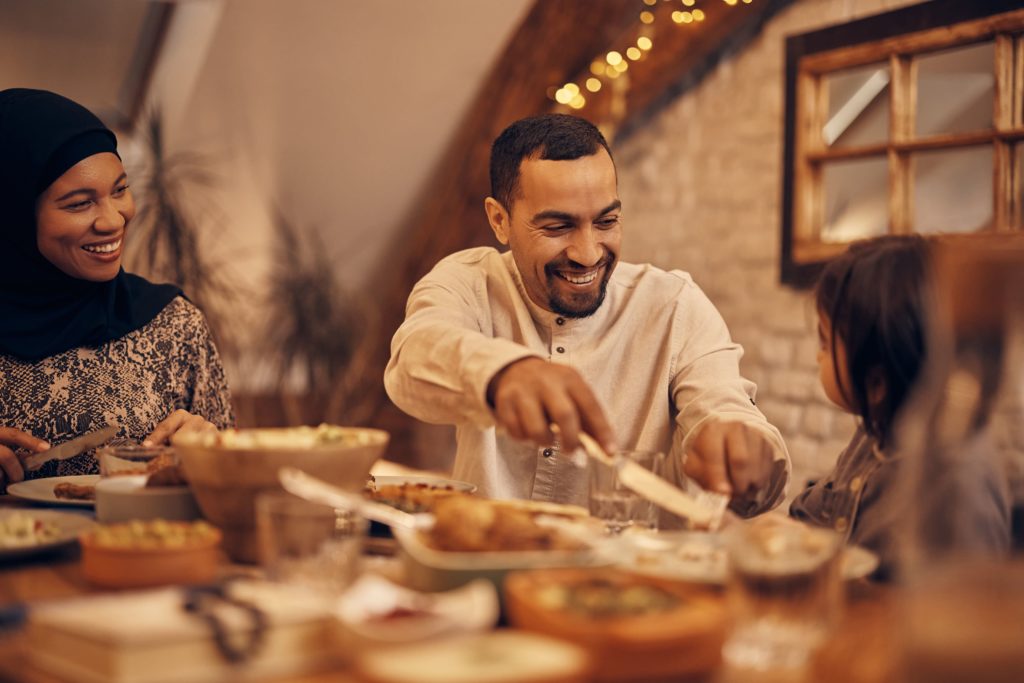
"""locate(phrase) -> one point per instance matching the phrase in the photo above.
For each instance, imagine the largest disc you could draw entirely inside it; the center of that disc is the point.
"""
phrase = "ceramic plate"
(433, 482)
(428, 569)
(382, 530)
(858, 562)
(41, 490)
(65, 529)
(699, 557)
(677, 555)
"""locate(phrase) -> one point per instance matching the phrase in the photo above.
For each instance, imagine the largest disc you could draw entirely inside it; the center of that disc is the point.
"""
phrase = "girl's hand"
(10, 464)
(178, 421)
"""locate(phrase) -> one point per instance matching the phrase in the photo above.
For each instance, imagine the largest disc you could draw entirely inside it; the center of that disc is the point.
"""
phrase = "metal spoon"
(308, 487)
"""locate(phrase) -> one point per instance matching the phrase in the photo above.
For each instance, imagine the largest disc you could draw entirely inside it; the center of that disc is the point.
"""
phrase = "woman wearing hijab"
(83, 343)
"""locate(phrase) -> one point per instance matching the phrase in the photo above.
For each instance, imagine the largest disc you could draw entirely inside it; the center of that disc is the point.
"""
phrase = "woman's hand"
(10, 464)
(178, 421)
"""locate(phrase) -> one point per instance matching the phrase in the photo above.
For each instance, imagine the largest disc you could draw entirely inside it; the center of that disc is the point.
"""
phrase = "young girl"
(870, 303)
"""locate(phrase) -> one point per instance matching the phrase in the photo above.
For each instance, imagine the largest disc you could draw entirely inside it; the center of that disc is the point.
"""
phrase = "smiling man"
(557, 331)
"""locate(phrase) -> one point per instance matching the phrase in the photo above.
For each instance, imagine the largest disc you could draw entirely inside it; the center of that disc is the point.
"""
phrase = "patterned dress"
(134, 381)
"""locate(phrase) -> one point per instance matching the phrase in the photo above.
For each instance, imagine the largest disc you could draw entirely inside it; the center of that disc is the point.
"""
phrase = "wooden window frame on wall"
(896, 37)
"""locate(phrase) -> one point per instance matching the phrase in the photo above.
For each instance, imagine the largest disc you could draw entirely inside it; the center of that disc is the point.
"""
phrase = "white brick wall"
(701, 188)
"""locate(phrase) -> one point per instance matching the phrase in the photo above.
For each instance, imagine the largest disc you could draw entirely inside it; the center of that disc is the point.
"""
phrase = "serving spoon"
(315, 490)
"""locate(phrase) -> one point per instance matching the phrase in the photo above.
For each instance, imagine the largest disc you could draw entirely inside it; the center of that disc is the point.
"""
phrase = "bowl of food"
(634, 627)
(228, 470)
(148, 553)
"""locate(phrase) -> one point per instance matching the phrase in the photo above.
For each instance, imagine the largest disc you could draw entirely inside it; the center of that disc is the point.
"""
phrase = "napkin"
(149, 636)
(375, 611)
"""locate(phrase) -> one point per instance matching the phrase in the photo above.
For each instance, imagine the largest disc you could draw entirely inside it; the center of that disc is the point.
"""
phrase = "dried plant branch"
(167, 235)
(314, 327)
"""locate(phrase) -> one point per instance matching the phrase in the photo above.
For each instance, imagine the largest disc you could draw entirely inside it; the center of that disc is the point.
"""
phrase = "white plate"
(41, 490)
(677, 555)
(435, 482)
(699, 557)
(428, 569)
(858, 562)
(69, 526)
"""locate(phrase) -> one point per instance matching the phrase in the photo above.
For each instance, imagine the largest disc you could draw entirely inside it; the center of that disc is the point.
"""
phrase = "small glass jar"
(133, 459)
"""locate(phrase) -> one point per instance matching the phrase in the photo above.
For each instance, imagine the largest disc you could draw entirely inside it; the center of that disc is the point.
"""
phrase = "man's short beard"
(558, 306)
(565, 308)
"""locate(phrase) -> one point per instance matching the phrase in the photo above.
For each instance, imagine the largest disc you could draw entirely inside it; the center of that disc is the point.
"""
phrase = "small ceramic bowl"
(154, 553)
(121, 499)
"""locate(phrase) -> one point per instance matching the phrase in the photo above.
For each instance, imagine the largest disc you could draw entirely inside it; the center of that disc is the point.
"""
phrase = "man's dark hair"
(556, 137)
(873, 295)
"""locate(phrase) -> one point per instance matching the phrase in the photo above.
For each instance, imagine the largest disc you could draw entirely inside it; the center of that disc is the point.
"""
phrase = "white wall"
(333, 111)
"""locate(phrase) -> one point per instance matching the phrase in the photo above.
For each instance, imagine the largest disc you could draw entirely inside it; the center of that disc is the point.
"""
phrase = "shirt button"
(841, 524)
(560, 349)
(856, 483)
(560, 321)
(548, 452)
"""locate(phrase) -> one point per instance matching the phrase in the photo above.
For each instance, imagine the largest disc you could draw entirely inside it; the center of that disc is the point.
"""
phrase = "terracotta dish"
(634, 628)
(154, 553)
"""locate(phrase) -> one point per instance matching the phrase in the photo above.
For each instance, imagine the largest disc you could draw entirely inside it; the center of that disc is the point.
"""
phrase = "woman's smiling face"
(82, 217)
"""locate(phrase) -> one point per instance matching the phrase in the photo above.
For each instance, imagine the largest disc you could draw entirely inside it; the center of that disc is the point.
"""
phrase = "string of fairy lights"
(612, 66)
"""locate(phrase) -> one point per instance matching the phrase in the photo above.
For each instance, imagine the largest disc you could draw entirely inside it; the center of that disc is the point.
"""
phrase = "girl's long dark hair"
(873, 295)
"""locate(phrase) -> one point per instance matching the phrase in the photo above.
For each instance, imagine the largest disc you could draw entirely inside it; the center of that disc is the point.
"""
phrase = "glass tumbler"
(619, 507)
(313, 546)
(133, 459)
(785, 593)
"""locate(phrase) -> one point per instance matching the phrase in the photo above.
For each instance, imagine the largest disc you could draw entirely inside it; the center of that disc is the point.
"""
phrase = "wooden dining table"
(860, 651)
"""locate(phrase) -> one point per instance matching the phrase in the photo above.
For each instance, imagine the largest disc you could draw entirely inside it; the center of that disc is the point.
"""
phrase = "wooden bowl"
(141, 567)
(227, 474)
(682, 638)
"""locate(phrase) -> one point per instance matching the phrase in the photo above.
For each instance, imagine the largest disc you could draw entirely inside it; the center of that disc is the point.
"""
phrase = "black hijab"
(44, 311)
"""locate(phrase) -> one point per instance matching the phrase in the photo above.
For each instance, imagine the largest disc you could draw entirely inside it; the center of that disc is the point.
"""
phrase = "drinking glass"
(785, 593)
(313, 546)
(133, 459)
(619, 507)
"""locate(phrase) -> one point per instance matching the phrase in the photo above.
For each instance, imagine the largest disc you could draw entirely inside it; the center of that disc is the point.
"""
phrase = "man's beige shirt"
(656, 353)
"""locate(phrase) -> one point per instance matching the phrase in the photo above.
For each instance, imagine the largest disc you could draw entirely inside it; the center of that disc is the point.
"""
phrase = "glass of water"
(619, 507)
(317, 547)
(785, 593)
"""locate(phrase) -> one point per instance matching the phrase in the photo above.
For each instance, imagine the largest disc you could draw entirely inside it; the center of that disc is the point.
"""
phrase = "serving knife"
(70, 449)
(701, 508)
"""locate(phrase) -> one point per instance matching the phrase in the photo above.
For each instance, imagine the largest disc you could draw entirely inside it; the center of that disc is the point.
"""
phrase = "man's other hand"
(531, 394)
(730, 457)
